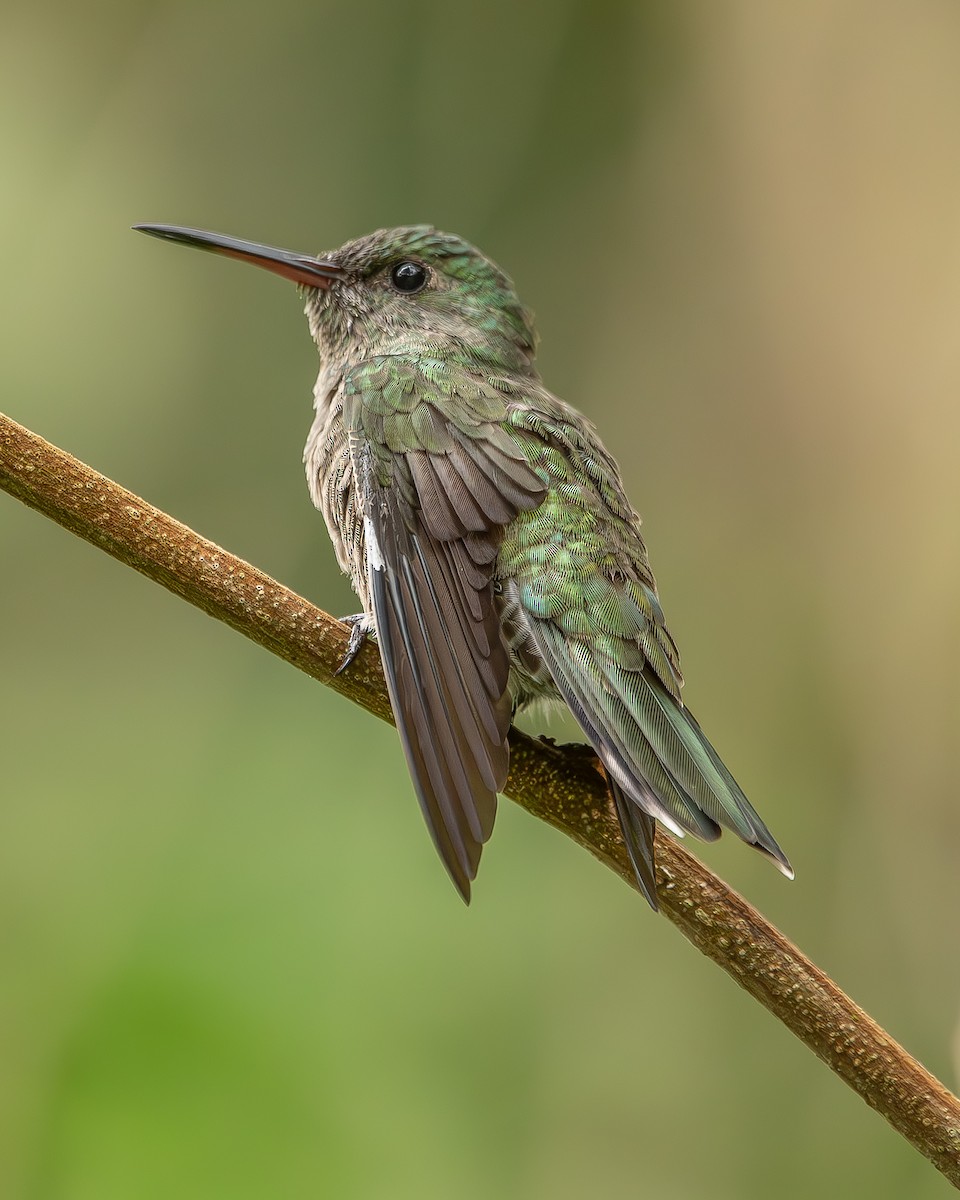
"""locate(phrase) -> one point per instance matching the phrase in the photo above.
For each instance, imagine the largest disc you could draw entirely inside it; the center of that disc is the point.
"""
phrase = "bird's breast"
(330, 480)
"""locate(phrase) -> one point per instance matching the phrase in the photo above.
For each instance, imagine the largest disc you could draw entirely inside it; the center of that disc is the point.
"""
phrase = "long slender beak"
(300, 268)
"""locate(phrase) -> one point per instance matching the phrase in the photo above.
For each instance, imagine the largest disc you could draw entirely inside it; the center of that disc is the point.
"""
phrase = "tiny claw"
(360, 628)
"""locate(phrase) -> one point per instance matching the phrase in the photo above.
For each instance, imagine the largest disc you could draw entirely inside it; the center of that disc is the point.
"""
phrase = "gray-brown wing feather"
(447, 683)
(431, 541)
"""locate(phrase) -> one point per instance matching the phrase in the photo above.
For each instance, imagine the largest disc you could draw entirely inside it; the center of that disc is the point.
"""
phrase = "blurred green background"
(230, 962)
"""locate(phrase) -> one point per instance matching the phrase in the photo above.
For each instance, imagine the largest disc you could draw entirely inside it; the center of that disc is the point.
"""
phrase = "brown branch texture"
(558, 786)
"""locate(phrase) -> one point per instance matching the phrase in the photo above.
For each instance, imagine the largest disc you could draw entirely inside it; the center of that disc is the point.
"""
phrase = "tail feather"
(638, 829)
(659, 761)
(760, 836)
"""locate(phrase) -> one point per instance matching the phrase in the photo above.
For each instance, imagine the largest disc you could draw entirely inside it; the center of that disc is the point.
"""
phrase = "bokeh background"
(230, 963)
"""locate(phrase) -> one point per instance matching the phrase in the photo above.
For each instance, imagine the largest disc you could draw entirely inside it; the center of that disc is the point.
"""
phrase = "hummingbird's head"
(408, 289)
(415, 288)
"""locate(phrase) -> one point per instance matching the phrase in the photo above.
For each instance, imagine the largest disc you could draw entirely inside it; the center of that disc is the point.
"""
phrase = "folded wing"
(439, 478)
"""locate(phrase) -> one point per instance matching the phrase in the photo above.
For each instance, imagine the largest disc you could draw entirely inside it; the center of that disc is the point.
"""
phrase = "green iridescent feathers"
(580, 569)
(486, 530)
(499, 467)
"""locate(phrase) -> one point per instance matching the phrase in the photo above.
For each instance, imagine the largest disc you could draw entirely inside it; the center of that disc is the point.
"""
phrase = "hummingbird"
(487, 534)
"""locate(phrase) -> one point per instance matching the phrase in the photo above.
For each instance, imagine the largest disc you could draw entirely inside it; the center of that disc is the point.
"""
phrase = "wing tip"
(460, 881)
(461, 864)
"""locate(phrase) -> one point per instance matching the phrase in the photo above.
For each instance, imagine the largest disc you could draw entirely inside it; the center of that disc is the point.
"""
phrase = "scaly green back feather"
(579, 569)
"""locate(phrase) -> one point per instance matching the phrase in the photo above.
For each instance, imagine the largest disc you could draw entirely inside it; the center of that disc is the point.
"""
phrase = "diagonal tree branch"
(554, 783)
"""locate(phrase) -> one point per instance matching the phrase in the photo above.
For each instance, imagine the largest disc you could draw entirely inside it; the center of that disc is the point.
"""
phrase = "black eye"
(408, 277)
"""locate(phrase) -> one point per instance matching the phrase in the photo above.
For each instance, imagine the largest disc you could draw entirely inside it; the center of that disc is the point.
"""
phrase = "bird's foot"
(361, 627)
